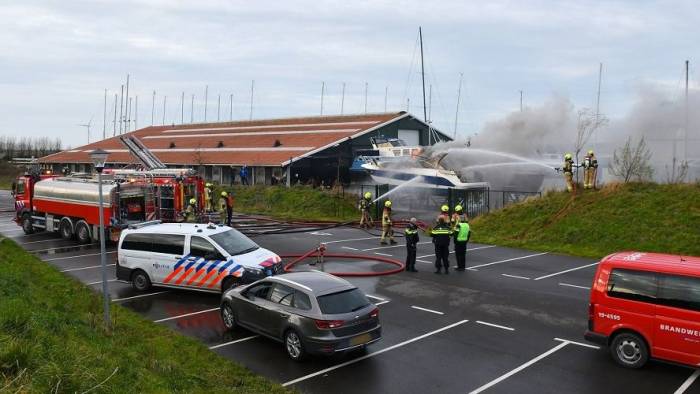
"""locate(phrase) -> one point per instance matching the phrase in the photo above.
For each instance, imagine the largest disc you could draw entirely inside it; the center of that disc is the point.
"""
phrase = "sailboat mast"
(422, 73)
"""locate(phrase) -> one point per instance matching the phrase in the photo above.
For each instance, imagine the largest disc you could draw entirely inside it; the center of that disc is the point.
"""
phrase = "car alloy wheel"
(293, 344)
(228, 317)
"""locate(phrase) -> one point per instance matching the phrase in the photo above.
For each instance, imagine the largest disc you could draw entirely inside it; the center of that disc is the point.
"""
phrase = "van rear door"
(677, 328)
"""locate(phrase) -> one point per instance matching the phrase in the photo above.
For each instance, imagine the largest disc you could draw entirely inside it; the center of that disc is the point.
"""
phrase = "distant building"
(319, 148)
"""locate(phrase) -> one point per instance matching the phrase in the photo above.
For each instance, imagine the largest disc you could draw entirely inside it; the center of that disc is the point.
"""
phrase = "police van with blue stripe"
(203, 257)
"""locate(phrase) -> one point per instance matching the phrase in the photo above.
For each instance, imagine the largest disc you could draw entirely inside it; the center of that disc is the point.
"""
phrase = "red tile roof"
(257, 143)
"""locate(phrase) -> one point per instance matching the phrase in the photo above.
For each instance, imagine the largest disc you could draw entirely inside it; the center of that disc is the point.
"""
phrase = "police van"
(647, 305)
(203, 257)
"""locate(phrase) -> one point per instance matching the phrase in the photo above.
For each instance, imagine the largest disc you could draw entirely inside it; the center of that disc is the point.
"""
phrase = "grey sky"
(57, 57)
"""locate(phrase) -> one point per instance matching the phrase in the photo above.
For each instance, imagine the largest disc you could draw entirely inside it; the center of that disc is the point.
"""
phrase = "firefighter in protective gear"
(590, 170)
(387, 231)
(444, 213)
(441, 234)
(191, 211)
(221, 207)
(457, 217)
(462, 235)
(568, 170)
(208, 194)
(411, 235)
(364, 206)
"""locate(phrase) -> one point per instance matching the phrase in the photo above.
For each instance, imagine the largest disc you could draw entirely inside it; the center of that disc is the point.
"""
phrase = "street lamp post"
(99, 157)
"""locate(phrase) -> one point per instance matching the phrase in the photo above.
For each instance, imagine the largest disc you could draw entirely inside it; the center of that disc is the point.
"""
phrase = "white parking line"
(516, 276)
(518, 369)
(232, 342)
(356, 360)
(427, 310)
(563, 272)
(138, 296)
(43, 240)
(425, 262)
(350, 240)
(186, 315)
(348, 247)
(381, 303)
(80, 255)
(99, 282)
(470, 249)
(577, 343)
(688, 382)
(374, 297)
(576, 286)
(495, 325)
(86, 268)
(61, 247)
(507, 260)
(393, 246)
(384, 254)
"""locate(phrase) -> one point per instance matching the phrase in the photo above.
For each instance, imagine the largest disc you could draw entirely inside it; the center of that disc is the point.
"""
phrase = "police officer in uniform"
(441, 234)
(411, 235)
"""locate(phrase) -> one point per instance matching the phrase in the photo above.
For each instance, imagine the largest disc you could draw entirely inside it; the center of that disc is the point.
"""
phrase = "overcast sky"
(57, 57)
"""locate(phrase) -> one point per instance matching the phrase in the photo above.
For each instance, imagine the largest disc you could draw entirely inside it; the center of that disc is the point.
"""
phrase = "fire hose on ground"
(320, 253)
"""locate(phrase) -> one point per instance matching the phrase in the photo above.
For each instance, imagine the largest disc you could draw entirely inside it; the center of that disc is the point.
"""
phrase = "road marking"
(99, 282)
(688, 382)
(516, 276)
(139, 296)
(381, 303)
(375, 297)
(384, 254)
(350, 240)
(563, 272)
(507, 260)
(394, 246)
(348, 247)
(518, 369)
(80, 255)
(576, 286)
(424, 262)
(61, 247)
(86, 268)
(186, 315)
(43, 240)
(495, 325)
(427, 310)
(470, 249)
(577, 343)
(356, 360)
(232, 342)
(320, 233)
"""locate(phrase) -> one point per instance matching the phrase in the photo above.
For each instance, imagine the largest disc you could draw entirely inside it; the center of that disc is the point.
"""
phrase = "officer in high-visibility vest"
(191, 211)
(441, 234)
(364, 207)
(462, 235)
(208, 194)
(387, 231)
(590, 170)
(411, 235)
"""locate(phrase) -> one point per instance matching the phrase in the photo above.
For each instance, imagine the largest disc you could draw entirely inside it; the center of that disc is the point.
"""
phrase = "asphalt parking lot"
(511, 323)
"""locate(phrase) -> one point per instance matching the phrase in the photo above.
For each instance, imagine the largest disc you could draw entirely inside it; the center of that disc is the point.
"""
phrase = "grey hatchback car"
(310, 312)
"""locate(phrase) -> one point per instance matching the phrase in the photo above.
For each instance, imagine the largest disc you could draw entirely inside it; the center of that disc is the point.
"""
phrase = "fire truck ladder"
(139, 150)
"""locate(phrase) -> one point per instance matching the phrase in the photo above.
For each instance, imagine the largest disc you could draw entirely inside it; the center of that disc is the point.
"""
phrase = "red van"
(646, 305)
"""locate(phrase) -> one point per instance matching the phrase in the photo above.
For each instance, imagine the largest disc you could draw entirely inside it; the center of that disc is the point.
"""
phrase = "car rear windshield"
(234, 242)
(343, 302)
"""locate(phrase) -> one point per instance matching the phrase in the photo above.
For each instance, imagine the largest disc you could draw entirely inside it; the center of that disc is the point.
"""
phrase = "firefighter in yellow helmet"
(457, 217)
(221, 205)
(208, 194)
(568, 170)
(387, 231)
(364, 206)
(444, 213)
(590, 170)
(191, 211)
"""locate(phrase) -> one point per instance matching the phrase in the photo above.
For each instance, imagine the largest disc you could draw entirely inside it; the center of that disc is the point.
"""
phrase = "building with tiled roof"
(316, 146)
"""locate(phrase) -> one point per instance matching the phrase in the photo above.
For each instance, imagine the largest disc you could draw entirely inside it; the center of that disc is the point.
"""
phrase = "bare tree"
(632, 163)
(679, 171)
(588, 122)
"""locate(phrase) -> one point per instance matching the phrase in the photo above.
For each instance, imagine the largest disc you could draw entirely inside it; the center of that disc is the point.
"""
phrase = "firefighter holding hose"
(590, 170)
(364, 206)
(387, 231)
(568, 170)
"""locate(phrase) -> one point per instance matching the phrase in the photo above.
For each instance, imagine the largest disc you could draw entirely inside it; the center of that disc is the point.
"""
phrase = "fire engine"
(69, 205)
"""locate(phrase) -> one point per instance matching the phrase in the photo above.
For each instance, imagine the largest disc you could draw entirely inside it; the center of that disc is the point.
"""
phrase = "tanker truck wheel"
(27, 224)
(66, 229)
(82, 232)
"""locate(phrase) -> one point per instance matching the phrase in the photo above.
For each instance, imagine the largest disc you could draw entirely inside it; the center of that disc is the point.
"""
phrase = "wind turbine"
(87, 125)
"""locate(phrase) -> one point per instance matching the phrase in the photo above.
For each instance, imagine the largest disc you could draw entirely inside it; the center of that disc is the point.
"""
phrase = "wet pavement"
(511, 323)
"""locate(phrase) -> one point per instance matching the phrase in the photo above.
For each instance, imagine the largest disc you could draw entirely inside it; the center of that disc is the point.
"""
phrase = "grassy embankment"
(298, 202)
(52, 340)
(645, 217)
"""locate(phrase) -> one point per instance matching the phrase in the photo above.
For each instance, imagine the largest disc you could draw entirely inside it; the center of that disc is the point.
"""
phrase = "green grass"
(644, 217)
(51, 338)
(298, 202)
